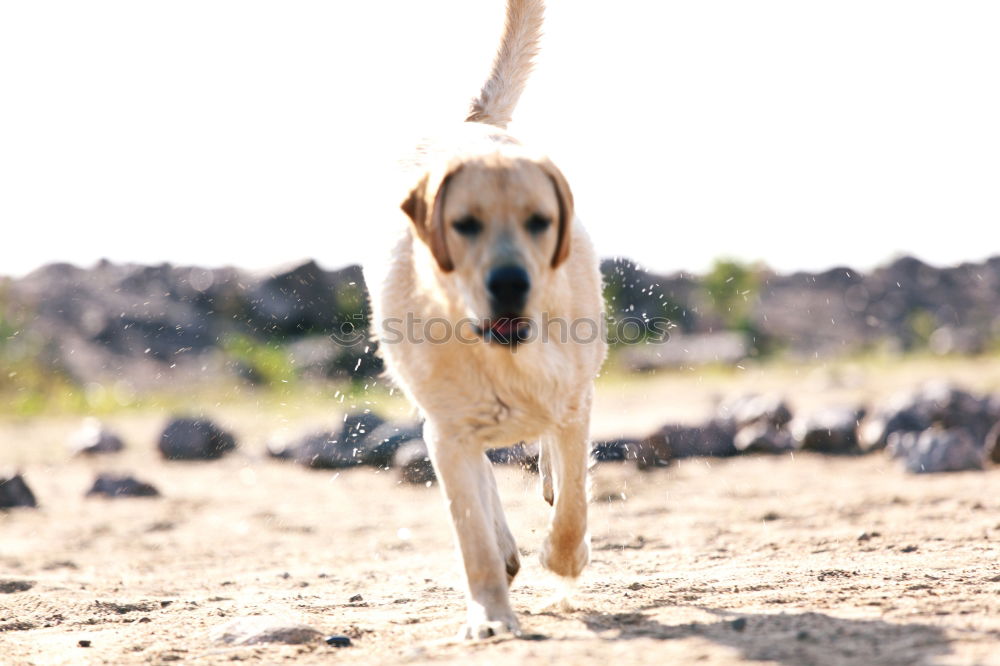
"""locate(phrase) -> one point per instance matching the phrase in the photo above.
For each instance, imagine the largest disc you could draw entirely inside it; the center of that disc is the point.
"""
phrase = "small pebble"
(739, 624)
(803, 635)
(908, 549)
(261, 629)
(356, 597)
(338, 641)
(83, 643)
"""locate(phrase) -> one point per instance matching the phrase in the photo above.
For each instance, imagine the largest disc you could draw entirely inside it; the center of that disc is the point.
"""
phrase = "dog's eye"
(536, 224)
(467, 226)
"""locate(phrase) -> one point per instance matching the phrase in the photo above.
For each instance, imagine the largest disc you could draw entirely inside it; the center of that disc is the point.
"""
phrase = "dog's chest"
(510, 402)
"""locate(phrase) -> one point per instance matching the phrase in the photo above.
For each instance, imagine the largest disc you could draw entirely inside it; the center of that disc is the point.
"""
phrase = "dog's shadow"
(788, 638)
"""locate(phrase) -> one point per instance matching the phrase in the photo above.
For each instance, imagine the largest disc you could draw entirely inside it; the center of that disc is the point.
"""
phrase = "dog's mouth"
(505, 330)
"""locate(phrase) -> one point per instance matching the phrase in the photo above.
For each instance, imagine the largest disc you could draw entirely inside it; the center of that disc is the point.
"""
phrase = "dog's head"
(498, 226)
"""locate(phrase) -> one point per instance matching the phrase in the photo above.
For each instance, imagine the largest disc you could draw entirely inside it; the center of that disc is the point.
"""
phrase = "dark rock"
(832, 430)
(739, 624)
(414, 463)
(13, 586)
(525, 455)
(653, 451)
(936, 450)
(356, 598)
(763, 437)
(338, 641)
(874, 432)
(383, 441)
(354, 444)
(948, 406)
(84, 643)
(111, 485)
(771, 410)
(94, 438)
(195, 439)
(935, 404)
(714, 439)
(358, 427)
(323, 449)
(615, 450)
(14, 492)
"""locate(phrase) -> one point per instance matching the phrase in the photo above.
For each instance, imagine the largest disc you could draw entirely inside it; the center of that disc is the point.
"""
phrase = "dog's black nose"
(508, 287)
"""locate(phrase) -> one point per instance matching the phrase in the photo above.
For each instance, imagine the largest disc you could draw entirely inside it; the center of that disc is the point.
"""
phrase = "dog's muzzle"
(508, 288)
(508, 331)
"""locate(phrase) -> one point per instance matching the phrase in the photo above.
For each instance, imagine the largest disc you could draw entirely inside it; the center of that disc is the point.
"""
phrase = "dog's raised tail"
(512, 65)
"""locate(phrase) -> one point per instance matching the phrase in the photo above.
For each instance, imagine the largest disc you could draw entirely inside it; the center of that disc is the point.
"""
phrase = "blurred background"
(807, 192)
(187, 189)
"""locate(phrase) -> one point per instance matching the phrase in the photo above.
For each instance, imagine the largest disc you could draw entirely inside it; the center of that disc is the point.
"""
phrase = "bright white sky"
(805, 134)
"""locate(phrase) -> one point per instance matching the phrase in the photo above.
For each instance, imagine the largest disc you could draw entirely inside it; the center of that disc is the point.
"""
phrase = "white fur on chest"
(471, 389)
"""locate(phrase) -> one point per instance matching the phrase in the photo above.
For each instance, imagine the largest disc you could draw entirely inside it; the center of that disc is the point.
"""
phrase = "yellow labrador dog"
(488, 314)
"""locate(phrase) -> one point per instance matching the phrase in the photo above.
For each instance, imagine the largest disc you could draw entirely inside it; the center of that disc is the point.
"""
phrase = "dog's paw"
(545, 475)
(565, 558)
(478, 627)
(512, 565)
(547, 494)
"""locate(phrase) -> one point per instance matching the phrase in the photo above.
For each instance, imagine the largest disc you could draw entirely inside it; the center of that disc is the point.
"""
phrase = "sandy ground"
(790, 560)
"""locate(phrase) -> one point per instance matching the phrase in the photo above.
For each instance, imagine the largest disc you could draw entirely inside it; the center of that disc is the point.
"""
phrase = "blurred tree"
(733, 287)
(920, 325)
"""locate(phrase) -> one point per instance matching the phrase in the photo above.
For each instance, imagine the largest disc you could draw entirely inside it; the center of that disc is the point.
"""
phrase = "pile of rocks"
(365, 439)
(135, 325)
(937, 428)
(748, 424)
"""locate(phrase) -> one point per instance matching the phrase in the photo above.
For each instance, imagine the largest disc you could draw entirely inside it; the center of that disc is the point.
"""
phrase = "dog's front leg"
(566, 550)
(459, 466)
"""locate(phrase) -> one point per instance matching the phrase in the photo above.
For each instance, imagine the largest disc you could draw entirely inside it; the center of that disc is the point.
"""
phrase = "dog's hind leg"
(566, 549)
(460, 466)
(545, 471)
(505, 540)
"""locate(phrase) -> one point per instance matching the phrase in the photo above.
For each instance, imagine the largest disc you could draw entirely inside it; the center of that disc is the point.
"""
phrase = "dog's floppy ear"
(425, 208)
(565, 197)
